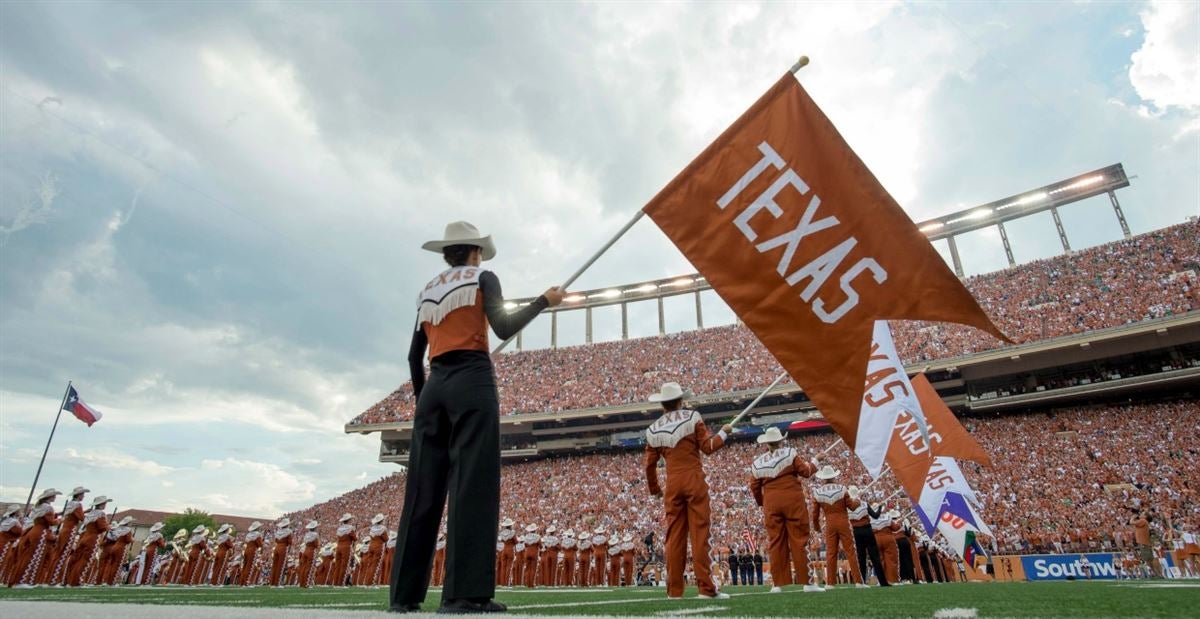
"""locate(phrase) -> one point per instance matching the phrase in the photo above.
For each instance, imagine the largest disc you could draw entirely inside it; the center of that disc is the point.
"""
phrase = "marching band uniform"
(600, 554)
(508, 541)
(174, 563)
(389, 552)
(585, 559)
(833, 501)
(680, 436)
(776, 487)
(341, 554)
(890, 552)
(456, 427)
(36, 541)
(324, 564)
(533, 547)
(10, 535)
(254, 541)
(224, 550)
(95, 525)
(518, 576)
(549, 558)
(864, 538)
(283, 539)
(627, 557)
(907, 552)
(378, 535)
(149, 555)
(116, 541)
(439, 561)
(570, 551)
(308, 554)
(55, 565)
(614, 563)
(193, 573)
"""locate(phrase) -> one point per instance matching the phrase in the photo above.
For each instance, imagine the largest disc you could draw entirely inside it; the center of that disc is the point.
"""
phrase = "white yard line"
(663, 598)
(691, 611)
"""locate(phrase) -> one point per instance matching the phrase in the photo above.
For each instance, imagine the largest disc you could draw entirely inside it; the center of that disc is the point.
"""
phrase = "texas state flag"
(82, 411)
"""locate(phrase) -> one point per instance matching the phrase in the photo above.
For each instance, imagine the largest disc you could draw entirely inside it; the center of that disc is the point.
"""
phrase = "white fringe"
(434, 313)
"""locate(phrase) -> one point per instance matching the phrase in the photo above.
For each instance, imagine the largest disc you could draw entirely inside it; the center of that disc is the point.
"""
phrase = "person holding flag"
(775, 484)
(679, 436)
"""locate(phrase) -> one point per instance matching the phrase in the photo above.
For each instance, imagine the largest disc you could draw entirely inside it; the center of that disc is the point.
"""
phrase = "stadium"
(790, 385)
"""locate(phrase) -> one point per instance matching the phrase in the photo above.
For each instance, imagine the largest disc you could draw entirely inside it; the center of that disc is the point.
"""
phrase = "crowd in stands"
(1097, 372)
(1150, 276)
(1063, 480)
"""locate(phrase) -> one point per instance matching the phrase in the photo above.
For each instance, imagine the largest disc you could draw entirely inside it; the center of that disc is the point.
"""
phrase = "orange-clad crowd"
(1153, 275)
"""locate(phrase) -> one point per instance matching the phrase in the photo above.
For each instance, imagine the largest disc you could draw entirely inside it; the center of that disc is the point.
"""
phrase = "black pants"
(864, 544)
(455, 449)
(758, 571)
(927, 566)
(906, 562)
(747, 573)
(733, 573)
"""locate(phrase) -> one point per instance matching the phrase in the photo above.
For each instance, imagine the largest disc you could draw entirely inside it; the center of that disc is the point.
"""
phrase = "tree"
(188, 520)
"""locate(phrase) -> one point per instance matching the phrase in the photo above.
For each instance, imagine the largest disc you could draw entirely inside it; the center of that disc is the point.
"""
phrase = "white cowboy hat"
(11, 509)
(48, 493)
(551, 529)
(98, 501)
(894, 514)
(124, 521)
(463, 233)
(531, 528)
(79, 490)
(827, 472)
(772, 435)
(508, 523)
(600, 529)
(345, 518)
(377, 519)
(627, 538)
(668, 392)
(156, 527)
(392, 535)
(254, 526)
(199, 529)
(283, 523)
(569, 533)
(312, 524)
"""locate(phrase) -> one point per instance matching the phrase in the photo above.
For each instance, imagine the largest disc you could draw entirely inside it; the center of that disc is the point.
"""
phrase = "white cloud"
(1166, 69)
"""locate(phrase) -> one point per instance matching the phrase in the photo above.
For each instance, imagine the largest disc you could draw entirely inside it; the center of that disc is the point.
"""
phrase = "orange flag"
(947, 436)
(800, 239)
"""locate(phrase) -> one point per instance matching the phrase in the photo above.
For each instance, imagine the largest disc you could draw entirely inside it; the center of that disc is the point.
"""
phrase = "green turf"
(1047, 599)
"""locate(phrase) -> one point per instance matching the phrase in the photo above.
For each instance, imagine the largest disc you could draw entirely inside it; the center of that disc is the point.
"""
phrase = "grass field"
(1045, 599)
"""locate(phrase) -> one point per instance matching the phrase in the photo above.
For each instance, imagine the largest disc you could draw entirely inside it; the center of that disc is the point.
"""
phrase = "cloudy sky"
(211, 214)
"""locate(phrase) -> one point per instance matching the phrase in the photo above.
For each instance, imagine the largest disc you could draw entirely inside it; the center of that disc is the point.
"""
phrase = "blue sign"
(1059, 567)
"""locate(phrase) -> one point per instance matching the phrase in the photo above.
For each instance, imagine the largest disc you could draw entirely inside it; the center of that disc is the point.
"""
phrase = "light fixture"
(933, 225)
(611, 293)
(683, 281)
(509, 305)
(644, 288)
(1083, 182)
(575, 298)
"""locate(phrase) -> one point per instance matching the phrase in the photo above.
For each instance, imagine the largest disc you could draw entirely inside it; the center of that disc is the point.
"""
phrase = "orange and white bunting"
(794, 232)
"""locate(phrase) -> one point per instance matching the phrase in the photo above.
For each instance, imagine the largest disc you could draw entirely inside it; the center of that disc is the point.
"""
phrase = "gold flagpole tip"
(800, 64)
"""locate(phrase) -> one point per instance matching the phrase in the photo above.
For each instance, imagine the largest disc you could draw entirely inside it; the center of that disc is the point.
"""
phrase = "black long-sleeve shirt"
(504, 325)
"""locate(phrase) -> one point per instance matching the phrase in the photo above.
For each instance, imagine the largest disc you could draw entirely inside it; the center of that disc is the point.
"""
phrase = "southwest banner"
(794, 232)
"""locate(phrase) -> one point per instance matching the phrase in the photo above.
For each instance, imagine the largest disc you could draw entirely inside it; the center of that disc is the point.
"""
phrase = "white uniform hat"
(48, 493)
(98, 501)
(79, 490)
(312, 524)
(345, 518)
(600, 529)
(199, 529)
(894, 514)
(11, 509)
(507, 523)
(124, 521)
(377, 519)
(569, 533)
(254, 526)
(668, 392)
(156, 527)
(551, 529)
(463, 233)
(827, 472)
(283, 523)
(772, 435)
(531, 528)
(628, 538)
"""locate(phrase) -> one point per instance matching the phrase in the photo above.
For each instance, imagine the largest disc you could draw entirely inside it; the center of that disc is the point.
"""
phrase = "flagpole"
(47, 449)
(574, 276)
(758, 399)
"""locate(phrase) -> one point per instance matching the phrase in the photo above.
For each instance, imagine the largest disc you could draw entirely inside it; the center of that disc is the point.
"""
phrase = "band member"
(308, 554)
(570, 549)
(439, 560)
(518, 576)
(283, 539)
(197, 544)
(902, 532)
(377, 537)
(585, 558)
(549, 559)
(324, 563)
(614, 563)
(833, 500)
(95, 525)
(340, 570)
(116, 541)
(169, 575)
(533, 548)
(10, 535)
(254, 541)
(508, 541)
(148, 560)
(224, 550)
(864, 536)
(55, 565)
(679, 436)
(36, 540)
(776, 487)
(600, 555)
(389, 552)
(888, 550)
(456, 427)
(627, 557)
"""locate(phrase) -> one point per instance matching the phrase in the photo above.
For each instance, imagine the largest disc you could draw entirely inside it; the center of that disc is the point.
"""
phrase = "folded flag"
(82, 411)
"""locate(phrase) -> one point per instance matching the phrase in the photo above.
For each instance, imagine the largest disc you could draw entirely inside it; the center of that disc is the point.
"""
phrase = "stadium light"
(509, 305)
(683, 281)
(644, 288)
(931, 226)
(975, 214)
(575, 298)
(611, 293)
(1084, 182)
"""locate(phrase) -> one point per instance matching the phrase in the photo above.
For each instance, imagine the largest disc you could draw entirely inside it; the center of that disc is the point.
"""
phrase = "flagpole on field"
(800, 64)
(45, 451)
